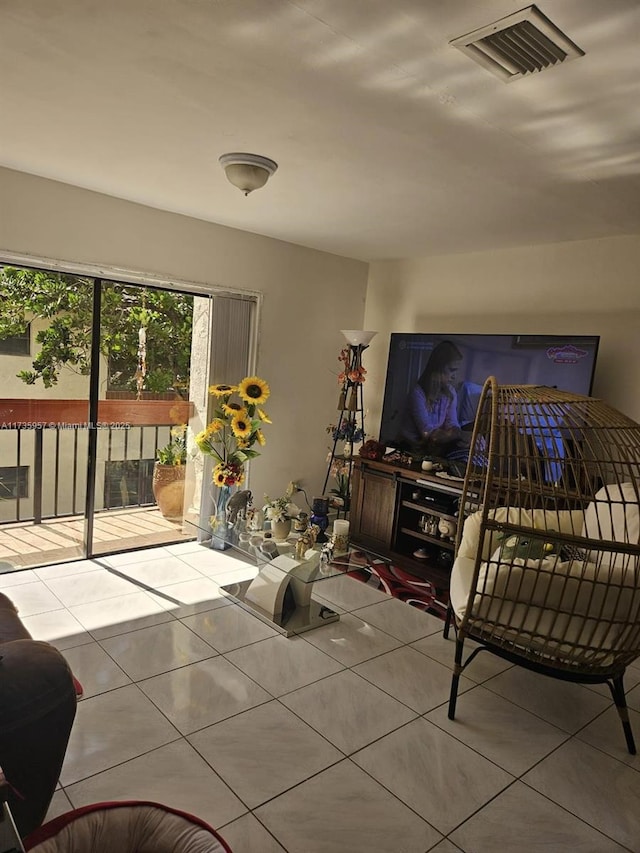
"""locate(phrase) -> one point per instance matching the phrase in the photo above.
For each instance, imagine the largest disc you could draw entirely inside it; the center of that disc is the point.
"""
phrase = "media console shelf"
(397, 512)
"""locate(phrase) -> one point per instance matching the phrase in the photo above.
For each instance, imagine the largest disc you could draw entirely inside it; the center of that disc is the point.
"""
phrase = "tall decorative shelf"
(349, 429)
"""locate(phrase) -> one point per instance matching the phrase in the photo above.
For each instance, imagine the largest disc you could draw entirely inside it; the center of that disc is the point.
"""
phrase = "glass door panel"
(142, 467)
(45, 362)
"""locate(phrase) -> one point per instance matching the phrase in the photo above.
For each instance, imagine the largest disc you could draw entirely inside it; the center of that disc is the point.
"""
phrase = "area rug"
(396, 582)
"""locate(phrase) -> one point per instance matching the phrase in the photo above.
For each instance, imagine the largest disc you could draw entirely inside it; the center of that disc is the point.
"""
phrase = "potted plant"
(169, 474)
(279, 512)
(341, 493)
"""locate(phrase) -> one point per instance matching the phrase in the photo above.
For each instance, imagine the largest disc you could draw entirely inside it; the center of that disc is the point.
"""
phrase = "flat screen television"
(566, 362)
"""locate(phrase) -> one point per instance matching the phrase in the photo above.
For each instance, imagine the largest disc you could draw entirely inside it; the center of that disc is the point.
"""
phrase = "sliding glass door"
(104, 385)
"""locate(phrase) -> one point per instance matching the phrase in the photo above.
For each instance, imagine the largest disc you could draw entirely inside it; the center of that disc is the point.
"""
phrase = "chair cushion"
(571, 587)
(553, 603)
(565, 521)
(614, 516)
(126, 827)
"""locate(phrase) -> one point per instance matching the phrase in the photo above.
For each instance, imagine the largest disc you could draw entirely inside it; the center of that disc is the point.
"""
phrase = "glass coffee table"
(281, 592)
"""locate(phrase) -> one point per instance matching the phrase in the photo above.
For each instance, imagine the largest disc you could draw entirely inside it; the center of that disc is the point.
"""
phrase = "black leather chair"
(37, 710)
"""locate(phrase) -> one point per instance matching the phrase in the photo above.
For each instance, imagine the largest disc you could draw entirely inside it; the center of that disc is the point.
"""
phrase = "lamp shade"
(358, 338)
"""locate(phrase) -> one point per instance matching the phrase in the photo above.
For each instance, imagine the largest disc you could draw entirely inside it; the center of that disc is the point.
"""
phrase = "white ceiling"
(390, 142)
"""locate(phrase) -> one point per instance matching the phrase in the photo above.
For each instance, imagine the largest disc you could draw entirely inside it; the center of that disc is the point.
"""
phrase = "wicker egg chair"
(547, 566)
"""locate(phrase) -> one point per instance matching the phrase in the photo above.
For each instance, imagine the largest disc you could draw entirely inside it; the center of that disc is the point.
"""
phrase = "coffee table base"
(290, 622)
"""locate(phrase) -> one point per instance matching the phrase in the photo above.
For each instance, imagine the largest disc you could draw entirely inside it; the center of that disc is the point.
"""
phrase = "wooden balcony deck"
(27, 545)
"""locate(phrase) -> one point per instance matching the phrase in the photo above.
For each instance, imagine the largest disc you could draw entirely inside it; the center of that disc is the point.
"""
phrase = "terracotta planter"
(168, 490)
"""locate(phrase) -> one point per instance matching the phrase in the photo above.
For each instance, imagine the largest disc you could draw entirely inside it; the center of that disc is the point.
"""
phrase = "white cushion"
(460, 584)
(614, 516)
(126, 828)
(573, 587)
(554, 604)
(565, 521)
(551, 602)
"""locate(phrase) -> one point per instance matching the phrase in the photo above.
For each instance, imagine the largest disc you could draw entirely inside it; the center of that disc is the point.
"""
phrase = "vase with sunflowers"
(230, 439)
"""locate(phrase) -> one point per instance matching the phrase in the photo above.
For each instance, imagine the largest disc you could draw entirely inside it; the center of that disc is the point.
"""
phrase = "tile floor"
(336, 741)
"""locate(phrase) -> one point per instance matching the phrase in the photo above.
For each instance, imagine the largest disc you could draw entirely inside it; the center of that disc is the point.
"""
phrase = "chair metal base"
(614, 681)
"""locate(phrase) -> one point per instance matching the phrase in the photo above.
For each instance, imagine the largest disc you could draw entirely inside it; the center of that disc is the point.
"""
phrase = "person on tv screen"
(431, 416)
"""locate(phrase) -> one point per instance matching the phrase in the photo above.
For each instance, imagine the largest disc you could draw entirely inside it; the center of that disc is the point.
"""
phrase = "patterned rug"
(396, 582)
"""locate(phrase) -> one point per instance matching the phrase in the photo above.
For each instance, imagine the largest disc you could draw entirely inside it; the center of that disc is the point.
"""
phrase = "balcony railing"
(50, 439)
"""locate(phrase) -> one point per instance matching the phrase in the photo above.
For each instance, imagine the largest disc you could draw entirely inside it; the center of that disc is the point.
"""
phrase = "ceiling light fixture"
(248, 172)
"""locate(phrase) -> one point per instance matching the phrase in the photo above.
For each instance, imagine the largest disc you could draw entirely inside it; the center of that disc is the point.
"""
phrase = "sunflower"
(241, 426)
(214, 427)
(201, 440)
(233, 409)
(252, 389)
(222, 390)
(219, 475)
(264, 416)
(260, 438)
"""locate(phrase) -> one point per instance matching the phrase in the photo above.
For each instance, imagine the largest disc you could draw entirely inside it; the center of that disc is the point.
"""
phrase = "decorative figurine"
(237, 505)
(306, 541)
(326, 555)
(255, 518)
(447, 529)
(301, 523)
(301, 548)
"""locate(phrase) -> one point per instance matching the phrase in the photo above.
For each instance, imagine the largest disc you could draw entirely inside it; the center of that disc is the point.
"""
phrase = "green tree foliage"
(65, 302)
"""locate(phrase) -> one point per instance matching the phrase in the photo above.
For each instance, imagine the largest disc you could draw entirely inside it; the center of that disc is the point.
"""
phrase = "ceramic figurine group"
(248, 522)
(439, 528)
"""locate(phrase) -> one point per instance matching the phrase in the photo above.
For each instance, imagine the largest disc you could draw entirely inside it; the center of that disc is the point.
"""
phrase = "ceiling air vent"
(519, 44)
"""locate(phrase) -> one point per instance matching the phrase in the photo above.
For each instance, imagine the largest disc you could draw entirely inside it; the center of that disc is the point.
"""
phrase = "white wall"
(308, 297)
(579, 288)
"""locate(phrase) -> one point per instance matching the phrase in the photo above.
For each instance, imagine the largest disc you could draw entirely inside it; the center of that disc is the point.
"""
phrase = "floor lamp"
(351, 408)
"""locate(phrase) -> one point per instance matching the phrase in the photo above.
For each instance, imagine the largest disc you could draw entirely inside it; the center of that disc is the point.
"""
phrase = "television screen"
(434, 382)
